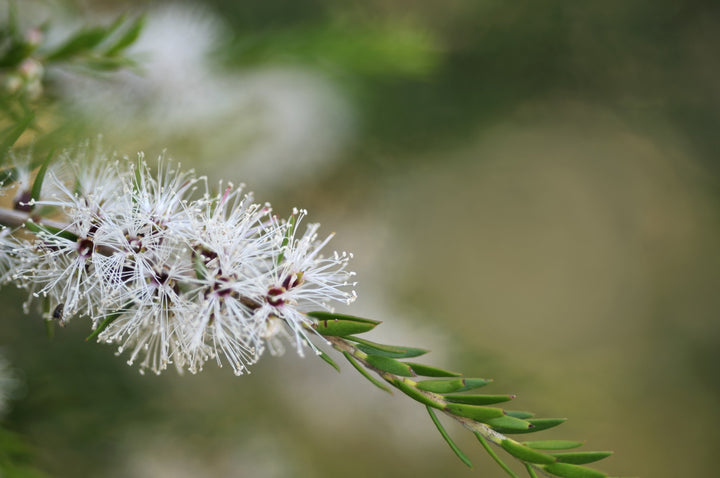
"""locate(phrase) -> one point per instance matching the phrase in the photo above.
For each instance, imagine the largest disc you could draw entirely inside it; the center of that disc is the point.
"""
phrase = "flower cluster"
(166, 269)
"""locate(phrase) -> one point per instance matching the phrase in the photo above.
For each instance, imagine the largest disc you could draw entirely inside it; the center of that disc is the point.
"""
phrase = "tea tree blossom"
(169, 275)
(302, 280)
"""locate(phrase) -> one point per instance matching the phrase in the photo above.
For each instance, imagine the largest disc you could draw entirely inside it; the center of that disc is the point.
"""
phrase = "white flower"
(231, 253)
(169, 277)
(58, 265)
(144, 261)
(301, 280)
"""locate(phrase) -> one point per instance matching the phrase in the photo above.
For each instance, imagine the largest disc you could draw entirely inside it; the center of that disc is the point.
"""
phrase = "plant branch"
(443, 392)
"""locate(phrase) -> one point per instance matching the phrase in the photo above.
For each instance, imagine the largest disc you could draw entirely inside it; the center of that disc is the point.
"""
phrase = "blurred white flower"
(8, 384)
(282, 118)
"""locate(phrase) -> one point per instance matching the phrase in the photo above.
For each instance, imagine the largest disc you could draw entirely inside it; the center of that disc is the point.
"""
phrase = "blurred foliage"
(16, 457)
(26, 99)
(460, 65)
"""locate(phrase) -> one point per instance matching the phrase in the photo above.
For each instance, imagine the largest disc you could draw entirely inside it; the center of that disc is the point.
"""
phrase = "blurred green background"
(530, 189)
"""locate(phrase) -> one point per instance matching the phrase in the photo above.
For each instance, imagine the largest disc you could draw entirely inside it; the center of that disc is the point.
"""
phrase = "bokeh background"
(530, 189)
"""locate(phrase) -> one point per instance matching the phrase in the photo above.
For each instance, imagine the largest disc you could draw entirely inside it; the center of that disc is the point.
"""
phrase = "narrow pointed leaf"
(565, 470)
(109, 320)
(545, 423)
(327, 359)
(322, 315)
(104, 325)
(581, 457)
(37, 228)
(339, 326)
(473, 383)
(40, 177)
(525, 453)
(441, 386)
(478, 399)
(386, 364)
(495, 456)
(417, 395)
(452, 384)
(477, 413)
(127, 38)
(50, 329)
(391, 351)
(13, 134)
(82, 41)
(519, 414)
(365, 374)
(553, 444)
(530, 470)
(199, 266)
(538, 424)
(427, 371)
(8, 176)
(508, 424)
(447, 438)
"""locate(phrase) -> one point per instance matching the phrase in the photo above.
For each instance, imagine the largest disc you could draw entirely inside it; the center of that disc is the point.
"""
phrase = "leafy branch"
(25, 57)
(448, 392)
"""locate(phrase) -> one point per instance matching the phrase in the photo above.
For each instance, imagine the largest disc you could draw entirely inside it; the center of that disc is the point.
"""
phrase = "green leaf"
(538, 424)
(416, 394)
(525, 453)
(365, 373)
(336, 325)
(37, 184)
(8, 176)
(447, 438)
(392, 351)
(50, 329)
(341, 328)
(427, 371)
(475, 412)
(37, 228)
(494, 455)
(545, 423)
(127, 38)
(199, 265)
(478, 399)
(82, 41)
(509, 424)
(12, 134)
(565, 470)
(322, 315)
(472, 384)
(107, 64)
(327, 358)
(108, 320)
(581, 457)
(452, 384)
(530, 470)
(441, 386)
(387, 364)
(519, 414)
(553, 444)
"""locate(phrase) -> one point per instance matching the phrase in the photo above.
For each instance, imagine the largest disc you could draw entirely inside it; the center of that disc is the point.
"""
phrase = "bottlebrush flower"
(301, 279)
(168, 276)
